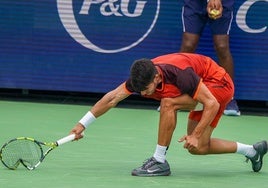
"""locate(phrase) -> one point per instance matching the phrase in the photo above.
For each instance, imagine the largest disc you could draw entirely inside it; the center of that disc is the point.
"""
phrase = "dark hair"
(142, 73)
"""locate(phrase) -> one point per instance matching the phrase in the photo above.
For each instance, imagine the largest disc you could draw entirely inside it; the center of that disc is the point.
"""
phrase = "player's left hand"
(191, 142)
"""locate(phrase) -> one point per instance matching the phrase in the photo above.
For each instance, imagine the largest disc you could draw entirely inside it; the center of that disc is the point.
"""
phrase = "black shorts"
(195, 17)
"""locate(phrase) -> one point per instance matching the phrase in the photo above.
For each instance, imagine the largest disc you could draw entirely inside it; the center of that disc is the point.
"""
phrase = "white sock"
(246, 150)
(160, 153)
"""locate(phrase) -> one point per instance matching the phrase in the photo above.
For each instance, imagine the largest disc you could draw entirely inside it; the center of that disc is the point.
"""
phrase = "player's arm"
(108, 101)
(210, 109)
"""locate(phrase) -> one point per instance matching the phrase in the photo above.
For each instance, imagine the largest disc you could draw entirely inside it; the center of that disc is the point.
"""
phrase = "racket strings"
(22, 151)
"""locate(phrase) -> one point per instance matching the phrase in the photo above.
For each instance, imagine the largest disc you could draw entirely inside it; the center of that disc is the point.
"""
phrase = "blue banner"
(89, 45)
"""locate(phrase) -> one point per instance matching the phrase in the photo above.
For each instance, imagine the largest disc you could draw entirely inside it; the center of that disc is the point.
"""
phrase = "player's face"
(150, 89)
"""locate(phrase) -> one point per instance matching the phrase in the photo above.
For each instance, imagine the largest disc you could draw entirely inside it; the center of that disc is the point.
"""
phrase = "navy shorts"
(195, 17)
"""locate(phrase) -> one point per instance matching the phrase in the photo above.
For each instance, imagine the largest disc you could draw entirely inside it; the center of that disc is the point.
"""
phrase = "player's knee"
(167, 104)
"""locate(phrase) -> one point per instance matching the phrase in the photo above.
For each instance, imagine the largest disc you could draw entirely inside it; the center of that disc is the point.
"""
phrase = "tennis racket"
(28, 151)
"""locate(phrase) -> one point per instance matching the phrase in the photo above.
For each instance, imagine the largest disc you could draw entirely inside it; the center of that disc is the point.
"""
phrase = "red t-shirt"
(182, 74)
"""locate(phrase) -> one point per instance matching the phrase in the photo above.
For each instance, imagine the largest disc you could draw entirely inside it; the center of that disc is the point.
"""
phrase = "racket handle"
(65, 139)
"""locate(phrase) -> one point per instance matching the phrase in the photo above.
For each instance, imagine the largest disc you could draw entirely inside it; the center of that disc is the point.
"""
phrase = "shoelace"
(148, 163)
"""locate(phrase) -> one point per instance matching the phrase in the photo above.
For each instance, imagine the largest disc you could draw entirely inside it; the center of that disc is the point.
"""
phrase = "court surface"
(120, 141)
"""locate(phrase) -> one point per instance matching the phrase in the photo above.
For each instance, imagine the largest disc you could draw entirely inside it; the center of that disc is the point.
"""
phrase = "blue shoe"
(261, 150)
(232, 109)
(151, 167)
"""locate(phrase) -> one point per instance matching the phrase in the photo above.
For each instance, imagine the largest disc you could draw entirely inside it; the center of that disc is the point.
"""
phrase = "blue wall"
(89, 45)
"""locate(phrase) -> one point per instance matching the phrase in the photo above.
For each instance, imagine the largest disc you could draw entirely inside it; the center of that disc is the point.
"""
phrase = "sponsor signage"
(89, 45)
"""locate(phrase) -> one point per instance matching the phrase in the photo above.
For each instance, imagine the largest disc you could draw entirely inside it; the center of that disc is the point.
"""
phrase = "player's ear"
(157, 77)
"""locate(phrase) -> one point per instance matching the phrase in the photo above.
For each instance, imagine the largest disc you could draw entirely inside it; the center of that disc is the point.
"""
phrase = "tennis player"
(180, 81)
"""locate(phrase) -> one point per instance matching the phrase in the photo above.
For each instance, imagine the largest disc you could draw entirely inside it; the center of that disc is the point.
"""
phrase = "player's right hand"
(78, 130)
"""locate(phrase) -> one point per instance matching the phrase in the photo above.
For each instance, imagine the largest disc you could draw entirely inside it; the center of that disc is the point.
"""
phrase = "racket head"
(23, 150)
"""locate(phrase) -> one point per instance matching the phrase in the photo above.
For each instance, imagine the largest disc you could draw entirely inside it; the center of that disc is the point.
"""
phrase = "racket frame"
(50, 145)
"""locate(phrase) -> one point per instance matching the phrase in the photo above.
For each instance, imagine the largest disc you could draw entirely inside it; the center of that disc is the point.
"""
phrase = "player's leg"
(168, 116)
(157, 165)
(208, 145)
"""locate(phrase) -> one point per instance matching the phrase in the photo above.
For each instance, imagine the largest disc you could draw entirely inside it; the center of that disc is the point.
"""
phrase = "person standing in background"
(218, 14)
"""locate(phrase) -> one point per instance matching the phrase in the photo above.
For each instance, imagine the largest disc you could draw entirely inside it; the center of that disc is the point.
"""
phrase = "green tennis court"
(120, 141)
